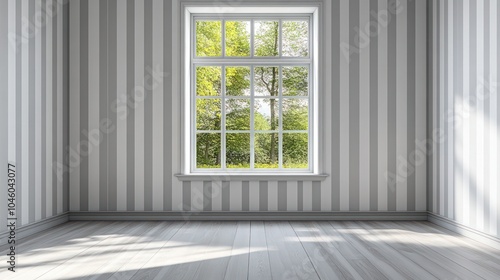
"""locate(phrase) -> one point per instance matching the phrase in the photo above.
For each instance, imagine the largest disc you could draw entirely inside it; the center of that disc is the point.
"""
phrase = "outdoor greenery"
(237, 104)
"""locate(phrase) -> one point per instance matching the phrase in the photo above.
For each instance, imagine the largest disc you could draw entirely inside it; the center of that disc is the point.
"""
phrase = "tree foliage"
(238, 110)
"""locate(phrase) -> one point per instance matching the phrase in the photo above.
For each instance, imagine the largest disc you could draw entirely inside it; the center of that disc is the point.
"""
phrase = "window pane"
(266, 150)
(208, 113)
(208, 147)
(295, 81)
(208, 38)
(295, 114)
(237, 38)
(238, 114)
(266, 38)
(266, 81)
(295, 150)
(266, 114)
(295, 38)
(238, 81)
(238, 150)
(208, 81)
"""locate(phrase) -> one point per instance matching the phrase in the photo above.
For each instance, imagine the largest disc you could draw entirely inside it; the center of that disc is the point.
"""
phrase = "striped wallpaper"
(464, 58)
(34, 112)
(125, 118)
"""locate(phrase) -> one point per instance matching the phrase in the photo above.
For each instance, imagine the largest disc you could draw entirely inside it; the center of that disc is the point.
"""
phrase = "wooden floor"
(252, 250)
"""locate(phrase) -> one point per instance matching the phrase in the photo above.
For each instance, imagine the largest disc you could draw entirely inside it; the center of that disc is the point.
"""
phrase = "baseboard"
(464, 230)
(247, 216)
(33, 228)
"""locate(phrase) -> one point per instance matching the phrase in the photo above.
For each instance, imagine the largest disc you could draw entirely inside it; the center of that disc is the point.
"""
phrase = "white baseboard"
(248, 216)
(464, 230)
(33, 228)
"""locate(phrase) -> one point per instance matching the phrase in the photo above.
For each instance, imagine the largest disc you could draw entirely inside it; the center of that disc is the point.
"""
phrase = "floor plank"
(252, 250)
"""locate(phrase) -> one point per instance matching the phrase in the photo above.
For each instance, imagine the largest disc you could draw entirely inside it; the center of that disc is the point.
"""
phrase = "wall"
(125, 119)
(34, 111)
(464, 112)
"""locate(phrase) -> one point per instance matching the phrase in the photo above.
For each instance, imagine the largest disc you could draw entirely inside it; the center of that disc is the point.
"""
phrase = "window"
(251, 86)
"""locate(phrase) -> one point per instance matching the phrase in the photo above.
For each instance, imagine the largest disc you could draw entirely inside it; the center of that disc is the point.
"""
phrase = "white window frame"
(189, 10)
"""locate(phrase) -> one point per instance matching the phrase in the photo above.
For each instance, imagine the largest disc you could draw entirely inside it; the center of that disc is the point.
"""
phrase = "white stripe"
(235, 196)
(307, 195)
(421, 105)
(479, 118)
(253, 190)
(326, 119)
(364, 107)
(74, 155)
(121, 105)
(25, 113)
(158, 105)
(94, 134)
(291, 196)
(48, 112)
(465, 160)
(401, 109)
(344, 105)
(197, 196)
(139, 105)
(382, 112)
(60, 147)
(450, 94)
(441, 110)
(272, 200)
(38, 113)
(494, 130)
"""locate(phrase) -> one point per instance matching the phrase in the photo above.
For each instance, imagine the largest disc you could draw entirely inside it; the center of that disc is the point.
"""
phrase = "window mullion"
(251, 38)
(252, 125)
(223, 117)
(280, 122)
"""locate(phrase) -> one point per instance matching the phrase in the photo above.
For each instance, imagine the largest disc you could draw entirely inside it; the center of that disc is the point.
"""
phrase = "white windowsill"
(251, 177)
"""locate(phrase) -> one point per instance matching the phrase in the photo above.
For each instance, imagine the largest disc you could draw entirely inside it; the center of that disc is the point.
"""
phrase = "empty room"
(230, 139)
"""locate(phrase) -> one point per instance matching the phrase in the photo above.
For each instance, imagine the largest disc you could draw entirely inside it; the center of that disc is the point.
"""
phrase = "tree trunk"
(274, 92)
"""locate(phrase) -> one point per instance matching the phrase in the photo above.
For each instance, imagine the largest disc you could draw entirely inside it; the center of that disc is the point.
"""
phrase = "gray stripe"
(19, 139)
(373, 109)
(44, 112)
(186, 196)
(32, 159)
(245, 196)
(498, 108)
(282, 201)
(446, 127)
(411, 131)
(167, 105)
(226, 192)
(473, 103)
(103, 106)
(148, 105)
(300, 196)
(430, 83)
(84, 103)
(112, 97)
(55, 50)
(4, 95)
(353, 108)
(486, 113)
(438, 81)
(66, 115)
(207, 195)
(130, 108)
(316, 196)
(263, 196)
(391, 109)
(335, 199)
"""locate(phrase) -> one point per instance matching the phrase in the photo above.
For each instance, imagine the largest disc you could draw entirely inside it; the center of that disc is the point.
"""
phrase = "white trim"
(260, 175)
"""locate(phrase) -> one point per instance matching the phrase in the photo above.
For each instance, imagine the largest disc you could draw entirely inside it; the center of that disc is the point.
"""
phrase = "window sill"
(251, 177)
